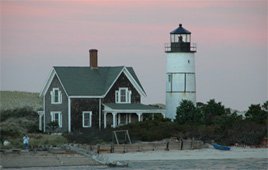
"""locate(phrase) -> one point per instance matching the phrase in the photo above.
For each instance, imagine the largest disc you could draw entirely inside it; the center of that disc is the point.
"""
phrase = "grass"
(19, 116)
(47, 140)
(36, 140)
(15, 99)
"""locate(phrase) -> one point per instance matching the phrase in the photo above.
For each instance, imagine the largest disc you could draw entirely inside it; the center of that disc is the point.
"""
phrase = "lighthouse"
(180, 70)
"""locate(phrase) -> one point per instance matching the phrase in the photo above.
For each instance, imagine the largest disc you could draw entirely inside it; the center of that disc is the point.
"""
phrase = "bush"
(18, 121)
(48, 140)
(18, 113)
(90, 136)
(245, 132)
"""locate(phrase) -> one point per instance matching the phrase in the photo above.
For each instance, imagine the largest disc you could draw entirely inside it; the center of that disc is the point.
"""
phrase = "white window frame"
(118, 94)
(52, 93)
(52, 115)
(90, 119)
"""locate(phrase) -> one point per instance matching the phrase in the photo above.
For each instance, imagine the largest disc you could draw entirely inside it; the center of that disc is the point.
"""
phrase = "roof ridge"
(89, 67)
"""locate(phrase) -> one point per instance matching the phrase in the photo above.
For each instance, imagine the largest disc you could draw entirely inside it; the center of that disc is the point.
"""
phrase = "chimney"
(93, 58)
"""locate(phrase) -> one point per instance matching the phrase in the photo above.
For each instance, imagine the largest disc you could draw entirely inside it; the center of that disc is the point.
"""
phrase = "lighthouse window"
(169, 77)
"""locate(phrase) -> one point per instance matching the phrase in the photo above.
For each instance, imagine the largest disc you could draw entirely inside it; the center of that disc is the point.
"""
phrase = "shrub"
(245, 132)
(18, 121)
(45, 139)
(18, 113)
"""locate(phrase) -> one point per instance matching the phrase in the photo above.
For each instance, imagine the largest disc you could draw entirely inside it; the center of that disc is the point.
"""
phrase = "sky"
(231, 37)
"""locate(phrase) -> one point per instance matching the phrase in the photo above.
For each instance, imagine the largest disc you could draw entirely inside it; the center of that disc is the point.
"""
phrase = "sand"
(43, 159)
(208, 153)
(47, 159)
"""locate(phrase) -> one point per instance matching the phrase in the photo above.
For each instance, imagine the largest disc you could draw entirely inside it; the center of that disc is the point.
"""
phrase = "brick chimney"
(93, 58)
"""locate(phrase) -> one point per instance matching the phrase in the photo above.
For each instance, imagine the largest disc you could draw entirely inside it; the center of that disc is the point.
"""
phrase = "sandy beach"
(208, 153)
(43, 159)
(208, 158)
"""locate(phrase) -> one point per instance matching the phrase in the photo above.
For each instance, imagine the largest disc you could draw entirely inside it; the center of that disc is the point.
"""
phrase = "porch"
(122, 114)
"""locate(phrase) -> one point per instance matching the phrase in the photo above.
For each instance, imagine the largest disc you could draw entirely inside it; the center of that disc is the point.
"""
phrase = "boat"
(221, 147)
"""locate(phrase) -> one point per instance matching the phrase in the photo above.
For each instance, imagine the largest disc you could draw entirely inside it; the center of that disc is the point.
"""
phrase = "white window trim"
(52, 94)
(90, 119)
(118, 95)
(52, 115)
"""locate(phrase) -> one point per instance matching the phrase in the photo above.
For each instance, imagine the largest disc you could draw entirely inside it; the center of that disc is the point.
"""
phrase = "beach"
(206, 153)
(209, 158)
(31, 159)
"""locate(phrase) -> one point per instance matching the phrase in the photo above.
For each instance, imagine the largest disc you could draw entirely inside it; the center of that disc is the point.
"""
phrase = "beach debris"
(118, 164)
(6, 143)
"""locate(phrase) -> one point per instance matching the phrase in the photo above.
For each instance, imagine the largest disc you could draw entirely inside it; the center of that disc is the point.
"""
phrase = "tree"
(187, 113)
(257, 113)
(213, 112)
(265, 106)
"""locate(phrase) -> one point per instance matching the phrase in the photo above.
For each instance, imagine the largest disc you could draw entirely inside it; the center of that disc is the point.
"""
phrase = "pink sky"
(231, 58)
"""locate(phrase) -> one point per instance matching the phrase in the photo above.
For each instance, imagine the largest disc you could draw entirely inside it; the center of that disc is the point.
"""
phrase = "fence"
(149, 146)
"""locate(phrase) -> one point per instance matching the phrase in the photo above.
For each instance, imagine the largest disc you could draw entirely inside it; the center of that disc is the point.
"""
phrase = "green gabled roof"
(85, 81)
(132, 72)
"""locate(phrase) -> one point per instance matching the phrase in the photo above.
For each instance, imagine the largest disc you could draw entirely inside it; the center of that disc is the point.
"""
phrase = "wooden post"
(128, 137)
(181, 143)
(167, 147)
(98, 149)
(112, 148)
(116, 139)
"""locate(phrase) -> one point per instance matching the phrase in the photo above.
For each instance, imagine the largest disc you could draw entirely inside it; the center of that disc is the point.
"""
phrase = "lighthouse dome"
(180, 30)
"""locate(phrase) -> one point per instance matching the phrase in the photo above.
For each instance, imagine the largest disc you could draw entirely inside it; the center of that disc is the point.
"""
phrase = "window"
(123, 95)
(56, 117)
(56, 96)
(87, 115)
(170, 78)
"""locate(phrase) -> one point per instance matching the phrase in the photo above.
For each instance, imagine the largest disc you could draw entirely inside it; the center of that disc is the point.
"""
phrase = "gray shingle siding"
(77, 108)
(122, 81)
(63, 107)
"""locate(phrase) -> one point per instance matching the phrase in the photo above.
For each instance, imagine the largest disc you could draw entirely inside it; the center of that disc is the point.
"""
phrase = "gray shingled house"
(80, 98)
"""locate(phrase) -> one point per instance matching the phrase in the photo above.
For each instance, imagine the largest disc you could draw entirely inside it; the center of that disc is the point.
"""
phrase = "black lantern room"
(180, 41)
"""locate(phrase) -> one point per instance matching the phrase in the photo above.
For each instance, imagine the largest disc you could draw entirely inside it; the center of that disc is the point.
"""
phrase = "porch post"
(41, 115)
(129, 118)
(119, 119)
(139, 116)
(114, 119)
(104, 119)
(40, 122)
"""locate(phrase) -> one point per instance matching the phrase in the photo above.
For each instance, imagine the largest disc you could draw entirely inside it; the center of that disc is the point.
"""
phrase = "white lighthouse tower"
(180, 70)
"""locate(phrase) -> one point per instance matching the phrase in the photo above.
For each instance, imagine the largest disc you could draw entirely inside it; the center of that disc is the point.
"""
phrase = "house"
(80, 98)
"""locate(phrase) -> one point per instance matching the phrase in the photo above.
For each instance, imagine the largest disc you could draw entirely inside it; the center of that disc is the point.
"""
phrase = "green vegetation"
(212, 121)
(205, 121)
(14, 99)
(14, 123)
(37, 140)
